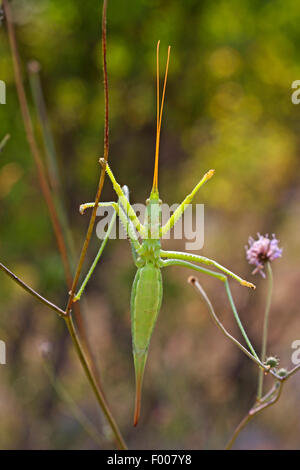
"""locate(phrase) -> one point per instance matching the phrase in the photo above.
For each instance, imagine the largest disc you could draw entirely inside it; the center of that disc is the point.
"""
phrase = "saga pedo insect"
(149, 258)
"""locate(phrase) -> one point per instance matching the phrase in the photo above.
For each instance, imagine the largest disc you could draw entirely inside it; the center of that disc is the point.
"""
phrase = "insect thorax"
(150, 252)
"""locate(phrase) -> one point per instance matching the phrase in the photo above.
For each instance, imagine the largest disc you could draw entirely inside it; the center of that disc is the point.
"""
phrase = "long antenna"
(159, 113)
(157, 86)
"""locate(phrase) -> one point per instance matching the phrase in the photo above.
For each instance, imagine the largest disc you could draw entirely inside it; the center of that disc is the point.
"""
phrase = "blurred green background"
(228, 107)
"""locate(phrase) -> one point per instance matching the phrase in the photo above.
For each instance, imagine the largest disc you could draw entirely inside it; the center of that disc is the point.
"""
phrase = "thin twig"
(253, 412)
(31, 291)
(52, 210)
(79, 350)
(195, 283)
(102, 174)
(265, 401)
(37, 157)
(93, 383)
(292, 372)
(267, 395)
(48, 196)
(257, 407)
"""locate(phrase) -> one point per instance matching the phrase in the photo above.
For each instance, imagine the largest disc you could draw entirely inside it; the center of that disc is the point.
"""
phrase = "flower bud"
(282, 372)
(272, 361)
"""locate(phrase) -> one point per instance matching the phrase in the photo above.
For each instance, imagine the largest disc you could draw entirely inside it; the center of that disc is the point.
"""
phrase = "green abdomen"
(146, 300)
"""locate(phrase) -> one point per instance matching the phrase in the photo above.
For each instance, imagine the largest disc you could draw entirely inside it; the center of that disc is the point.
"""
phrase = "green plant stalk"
(195, 283)
(274, 393)
(265, 330)
(237, 318)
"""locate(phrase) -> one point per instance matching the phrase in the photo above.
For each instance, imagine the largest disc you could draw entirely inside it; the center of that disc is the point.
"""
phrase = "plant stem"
(42, 176)
(195, 283)
(54, 218)
(253, 412)
(102, 173)
(93, 383)
(31, 291)
(265, 330)
(236, 316)
(292, 371)
(268, 399)
(79, 350)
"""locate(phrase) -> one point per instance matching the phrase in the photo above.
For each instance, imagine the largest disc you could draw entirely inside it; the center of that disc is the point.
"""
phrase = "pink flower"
(261, 251)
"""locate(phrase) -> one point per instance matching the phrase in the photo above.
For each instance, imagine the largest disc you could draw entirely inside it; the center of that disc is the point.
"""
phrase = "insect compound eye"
(147, 201)
(160, 202)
